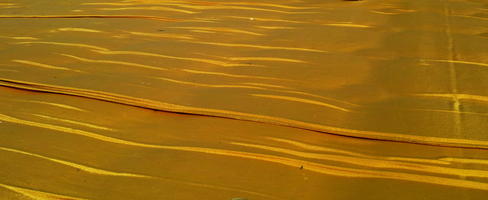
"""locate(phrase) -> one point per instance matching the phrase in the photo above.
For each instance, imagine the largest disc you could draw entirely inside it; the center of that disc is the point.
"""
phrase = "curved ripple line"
(206, 85)
(202, 60)
(66, 44)
(266, 85)
(257, 46)
(233, 75)
(56, 104)
(10, 119)
(73, 29)
(307, 165)
(459, 96)
(115, 62)
(275, 27)
(160, 8)
(350, 25)
(267, 19)
(163, 35)
(86, 16)
(465, 160)
(260, 86)
(459, 62)
(374, 163)
(217, 29)
(350, 153)
(46, 66)
(121, 174)
(231, 7)
(339, 171)
(266, 59)
(74, 122)
(318, 96)
(77, 166)
(268, 5)
(39, 195)
(301, 100)
(167, 107)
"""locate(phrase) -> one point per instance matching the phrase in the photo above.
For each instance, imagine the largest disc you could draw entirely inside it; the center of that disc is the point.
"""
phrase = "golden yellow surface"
(156, 99)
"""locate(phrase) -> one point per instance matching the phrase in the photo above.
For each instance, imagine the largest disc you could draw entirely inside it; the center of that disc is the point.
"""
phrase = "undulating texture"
(292, 99)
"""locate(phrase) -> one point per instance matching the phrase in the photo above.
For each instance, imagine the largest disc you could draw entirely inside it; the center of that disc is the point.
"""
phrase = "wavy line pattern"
(312, 166)
(84, 17)
(35, 194)
(307, 101)
(374, 163)
(58, 105)
(75, 165)
(74, 122)
(154, 105)
(236, 81)
(41, 65)
(115, 62)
